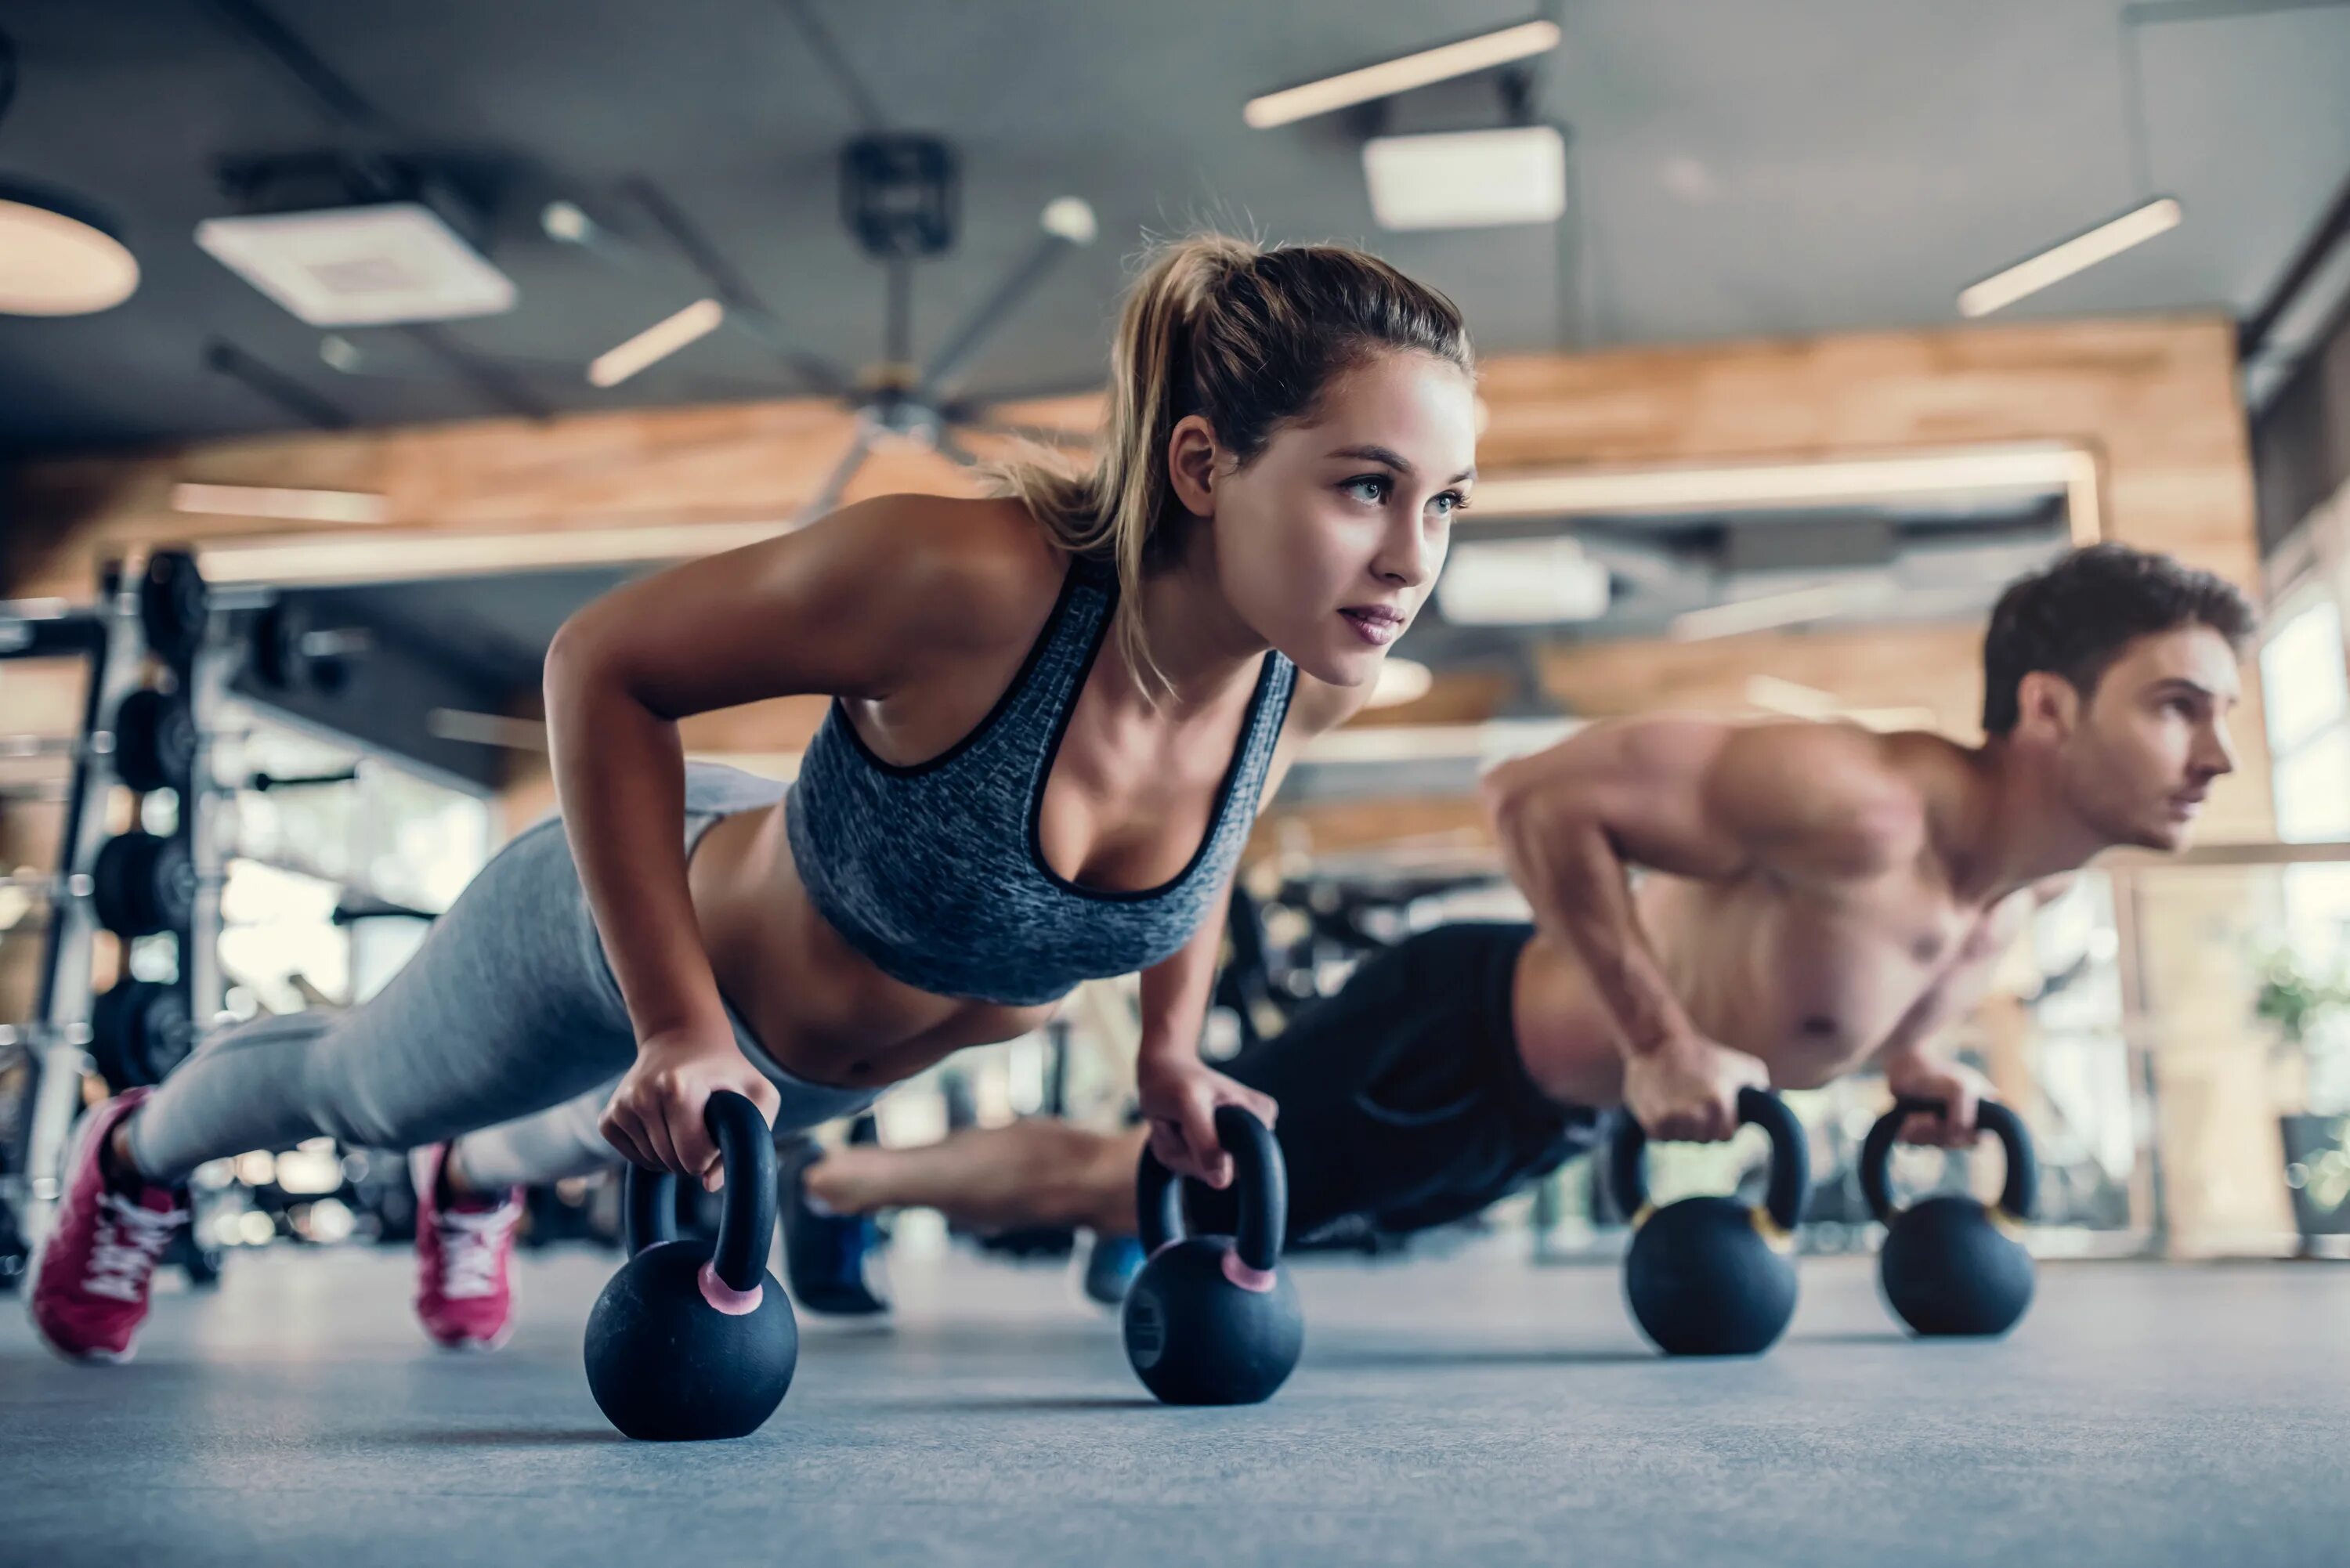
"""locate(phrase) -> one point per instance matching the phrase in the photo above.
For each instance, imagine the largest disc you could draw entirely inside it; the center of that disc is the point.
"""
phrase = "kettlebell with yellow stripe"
(1713, 1276)
(1952, 1264)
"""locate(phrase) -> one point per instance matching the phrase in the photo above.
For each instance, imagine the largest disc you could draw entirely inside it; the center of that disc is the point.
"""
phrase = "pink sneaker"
(90, 1284)
(464, 1297)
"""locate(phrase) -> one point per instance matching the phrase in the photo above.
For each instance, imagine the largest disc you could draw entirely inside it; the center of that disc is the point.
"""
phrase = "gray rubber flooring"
(1471, 1411)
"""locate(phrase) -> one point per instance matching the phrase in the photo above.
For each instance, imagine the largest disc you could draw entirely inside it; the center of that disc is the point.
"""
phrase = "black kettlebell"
(1952, 1264)
(690, 1340)
(1712, 1276)
(1211, 1320)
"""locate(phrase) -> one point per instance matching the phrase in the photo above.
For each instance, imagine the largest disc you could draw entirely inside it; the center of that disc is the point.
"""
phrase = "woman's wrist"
(690, 1034)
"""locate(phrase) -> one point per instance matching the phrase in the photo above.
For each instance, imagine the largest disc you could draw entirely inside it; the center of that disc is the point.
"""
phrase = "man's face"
(2139, 755)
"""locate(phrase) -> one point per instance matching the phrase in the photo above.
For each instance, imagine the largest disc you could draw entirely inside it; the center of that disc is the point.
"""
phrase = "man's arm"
(1704, 799)
(1914, 1067)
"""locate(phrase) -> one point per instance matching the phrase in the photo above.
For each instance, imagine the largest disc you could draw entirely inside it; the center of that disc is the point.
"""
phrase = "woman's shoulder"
(972, 571)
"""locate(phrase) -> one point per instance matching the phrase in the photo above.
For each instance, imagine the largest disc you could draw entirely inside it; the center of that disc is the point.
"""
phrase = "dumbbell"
(262, 784)
(140, 1030)
(151, 743)
(139, 884)
(290, 654)
(142, 883)
(173, 606)
(155, 740)
(15, 1253)
(137, 1032)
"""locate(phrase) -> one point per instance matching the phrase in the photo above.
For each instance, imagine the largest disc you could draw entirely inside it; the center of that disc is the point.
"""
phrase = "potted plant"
(2300, 1004)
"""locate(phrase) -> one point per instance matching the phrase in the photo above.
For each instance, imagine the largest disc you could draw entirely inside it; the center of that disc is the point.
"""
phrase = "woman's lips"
(1375, 624)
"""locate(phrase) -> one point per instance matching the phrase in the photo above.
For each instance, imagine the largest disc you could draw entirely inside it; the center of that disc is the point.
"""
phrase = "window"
(2305, 684)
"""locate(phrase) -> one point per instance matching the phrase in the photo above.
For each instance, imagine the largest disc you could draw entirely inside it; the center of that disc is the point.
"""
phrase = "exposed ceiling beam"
(2331, 230)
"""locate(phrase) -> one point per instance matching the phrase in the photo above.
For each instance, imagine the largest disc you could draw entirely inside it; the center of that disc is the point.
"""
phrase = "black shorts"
(1403, 1099)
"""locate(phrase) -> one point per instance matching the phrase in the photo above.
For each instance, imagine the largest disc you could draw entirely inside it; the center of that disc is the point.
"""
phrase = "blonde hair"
(1247, 336)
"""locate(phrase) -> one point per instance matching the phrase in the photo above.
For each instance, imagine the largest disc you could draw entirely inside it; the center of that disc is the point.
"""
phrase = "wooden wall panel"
(2155, 398)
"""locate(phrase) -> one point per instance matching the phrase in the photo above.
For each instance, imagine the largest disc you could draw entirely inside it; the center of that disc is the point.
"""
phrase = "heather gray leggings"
(506, 1028)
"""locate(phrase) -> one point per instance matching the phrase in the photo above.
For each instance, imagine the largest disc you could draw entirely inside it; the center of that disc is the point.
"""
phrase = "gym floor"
(1467, 1410)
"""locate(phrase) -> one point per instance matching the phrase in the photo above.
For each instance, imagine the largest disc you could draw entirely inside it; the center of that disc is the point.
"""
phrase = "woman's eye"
(1370, 487)
(1452, 502)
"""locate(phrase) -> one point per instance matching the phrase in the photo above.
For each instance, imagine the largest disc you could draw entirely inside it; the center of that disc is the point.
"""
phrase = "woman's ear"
(1192, 457)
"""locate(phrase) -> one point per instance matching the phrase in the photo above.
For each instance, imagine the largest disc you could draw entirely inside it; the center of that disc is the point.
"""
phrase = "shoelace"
(472, 1243)
(129, 1244)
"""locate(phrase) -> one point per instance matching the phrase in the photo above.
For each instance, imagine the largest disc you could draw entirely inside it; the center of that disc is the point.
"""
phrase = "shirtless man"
(1817, 898)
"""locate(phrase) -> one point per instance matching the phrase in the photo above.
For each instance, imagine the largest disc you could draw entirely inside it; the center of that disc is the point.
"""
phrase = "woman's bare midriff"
(820, 1008)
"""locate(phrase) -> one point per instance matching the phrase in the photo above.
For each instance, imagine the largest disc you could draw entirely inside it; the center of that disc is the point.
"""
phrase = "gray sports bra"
(933, 871)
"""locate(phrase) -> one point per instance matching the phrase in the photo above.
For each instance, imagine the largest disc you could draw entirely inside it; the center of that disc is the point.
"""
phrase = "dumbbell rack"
(159, 610)
(108, 637)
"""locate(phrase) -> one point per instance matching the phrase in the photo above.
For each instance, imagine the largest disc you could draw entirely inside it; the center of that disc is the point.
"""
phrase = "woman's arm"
(856, 605)
(1178, 1092)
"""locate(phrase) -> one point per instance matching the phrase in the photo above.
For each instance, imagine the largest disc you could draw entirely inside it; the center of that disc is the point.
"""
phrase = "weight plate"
(154, 742)
(141, 884)
(173, 605)
(169, 1035)
(278, 660)
(140, 1030)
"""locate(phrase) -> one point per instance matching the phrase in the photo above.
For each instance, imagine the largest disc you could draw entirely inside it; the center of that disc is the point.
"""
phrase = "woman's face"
(1327, 544)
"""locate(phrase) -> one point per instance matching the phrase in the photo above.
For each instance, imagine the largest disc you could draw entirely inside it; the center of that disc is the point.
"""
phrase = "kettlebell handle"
(747, 1219)
(1258, 1172)
(1791, 1165)
(2016, 1198)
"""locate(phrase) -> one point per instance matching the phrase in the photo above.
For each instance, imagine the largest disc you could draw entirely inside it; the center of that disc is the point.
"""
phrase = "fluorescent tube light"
(295, 505)
(656, 343)
(2078, 254)
(1401, 75)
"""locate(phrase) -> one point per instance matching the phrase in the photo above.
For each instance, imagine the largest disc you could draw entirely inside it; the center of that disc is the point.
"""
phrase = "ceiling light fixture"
(422, 555)
(2153, 215)
(1766, 612)
(365, 266)
(1523, 582)
(2025, 469)
(1773, 695)
(57, 255)
(1490, 741)
(2079, 254)
(656, 343)
(1467, 179)
(57, 258)
(1401, 75)
(295, 505)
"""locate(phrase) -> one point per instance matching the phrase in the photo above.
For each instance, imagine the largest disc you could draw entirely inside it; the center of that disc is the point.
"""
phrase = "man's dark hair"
(2075, 618)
